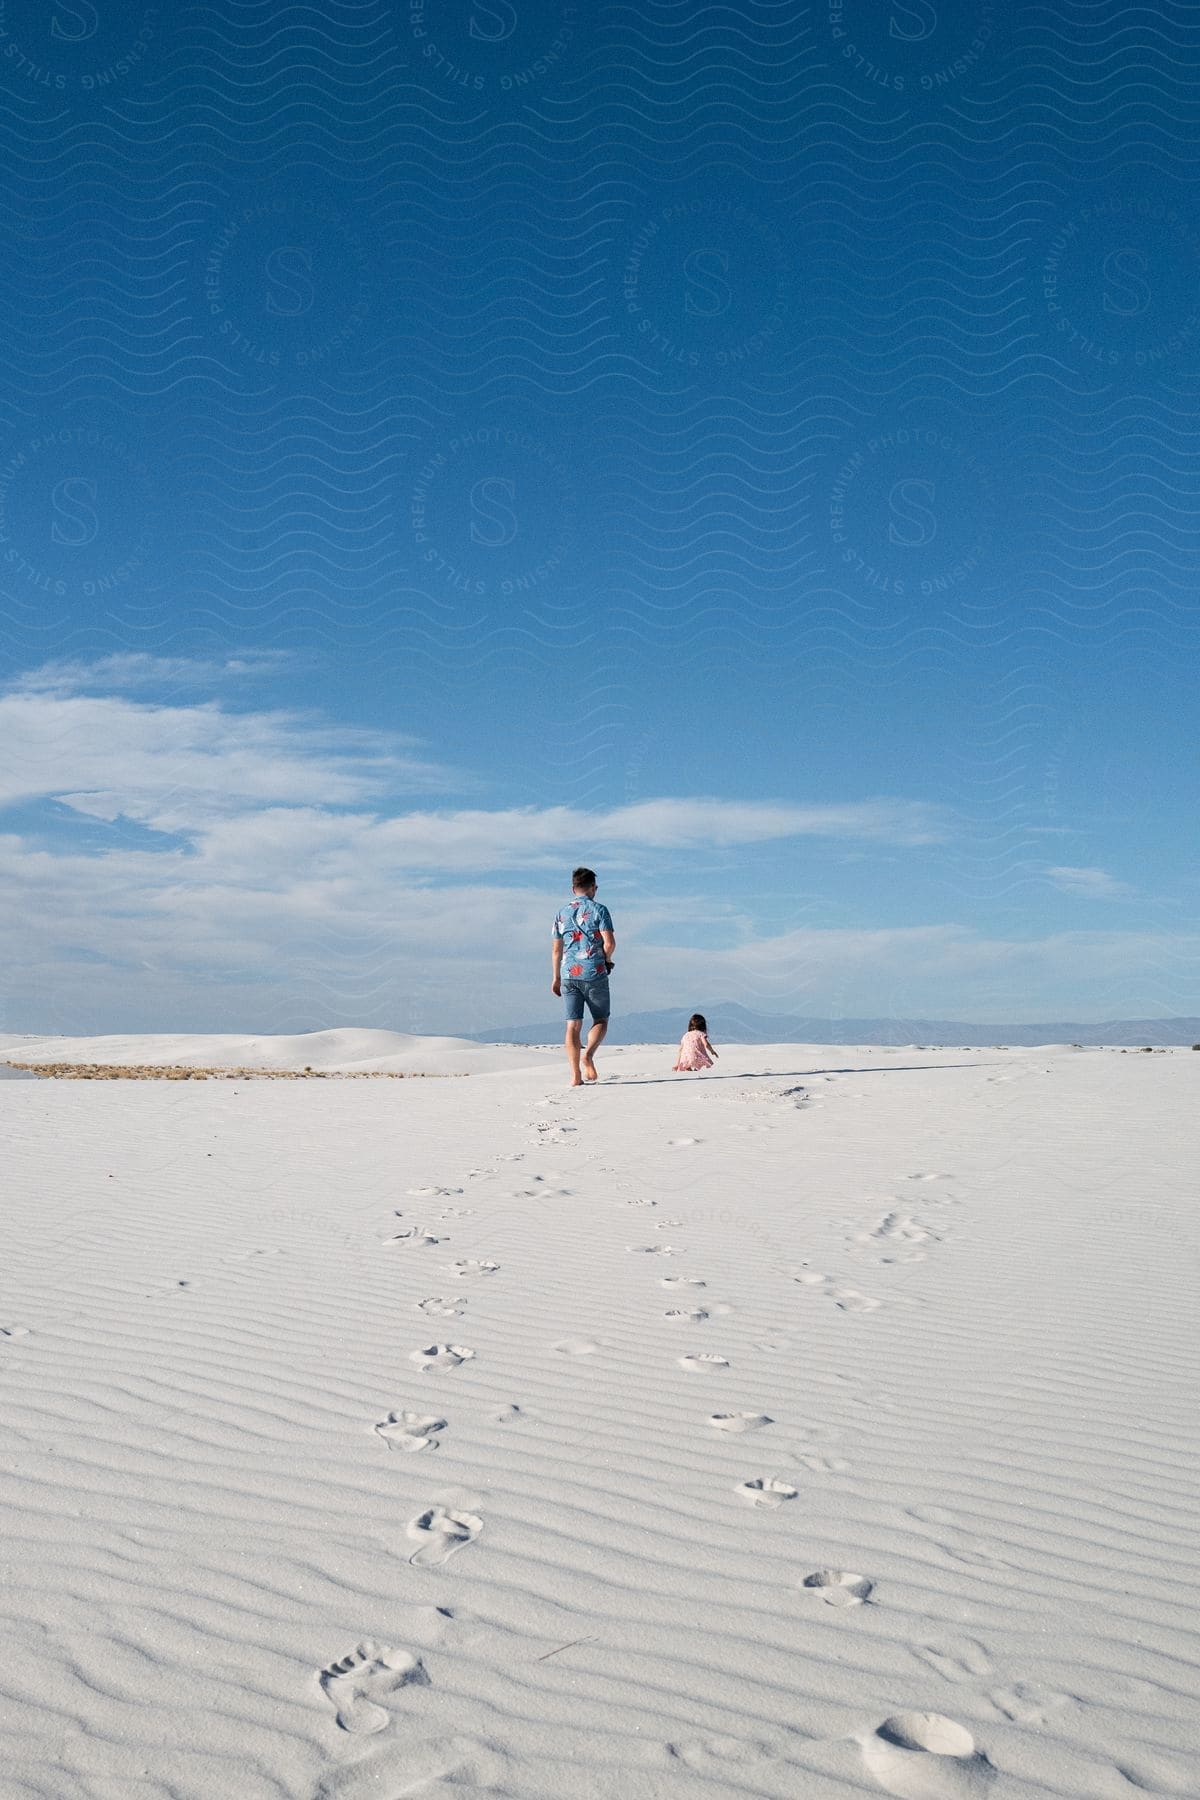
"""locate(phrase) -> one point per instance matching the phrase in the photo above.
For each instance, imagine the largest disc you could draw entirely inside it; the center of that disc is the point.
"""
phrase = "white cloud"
(285, 857)
(1095, 883)
(129, 670)
(463, 841)
(174, 766)
(140, 940)
(288, 890)
(214, 774)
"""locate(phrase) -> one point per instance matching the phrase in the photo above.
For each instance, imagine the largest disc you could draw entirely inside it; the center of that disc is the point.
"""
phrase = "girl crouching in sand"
(695, 1051)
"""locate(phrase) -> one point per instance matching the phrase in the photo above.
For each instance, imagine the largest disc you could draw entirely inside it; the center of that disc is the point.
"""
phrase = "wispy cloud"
(1096, 884)
(130, 671)
(242, 779)
(173, 767)
(557, 836)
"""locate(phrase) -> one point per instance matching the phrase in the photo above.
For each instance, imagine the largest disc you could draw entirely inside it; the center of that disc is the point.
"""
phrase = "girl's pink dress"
(692, 1054)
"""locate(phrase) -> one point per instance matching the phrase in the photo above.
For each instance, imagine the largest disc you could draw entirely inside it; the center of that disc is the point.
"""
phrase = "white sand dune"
(821, 1427)
(342, 1050)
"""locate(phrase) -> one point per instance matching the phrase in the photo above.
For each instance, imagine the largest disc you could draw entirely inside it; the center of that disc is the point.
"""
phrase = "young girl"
(695, 1051)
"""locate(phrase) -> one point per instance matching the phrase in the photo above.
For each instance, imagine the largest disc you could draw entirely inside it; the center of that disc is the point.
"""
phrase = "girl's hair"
(697, 1022)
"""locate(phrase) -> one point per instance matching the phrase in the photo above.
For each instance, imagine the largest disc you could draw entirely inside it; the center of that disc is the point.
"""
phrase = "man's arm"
(608, 936)
(555, 964)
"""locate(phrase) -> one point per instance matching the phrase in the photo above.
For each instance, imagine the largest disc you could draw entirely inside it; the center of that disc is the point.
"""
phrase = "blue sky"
(752, 450)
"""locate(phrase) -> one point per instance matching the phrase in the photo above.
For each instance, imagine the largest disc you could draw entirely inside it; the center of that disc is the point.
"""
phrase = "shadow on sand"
(781, 1074)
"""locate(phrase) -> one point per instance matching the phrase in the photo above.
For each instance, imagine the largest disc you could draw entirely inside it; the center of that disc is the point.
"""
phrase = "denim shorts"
(594, 992)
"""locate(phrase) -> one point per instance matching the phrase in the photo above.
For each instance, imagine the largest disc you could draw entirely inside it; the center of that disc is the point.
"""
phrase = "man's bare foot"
(575, 1083)
(589, 1069)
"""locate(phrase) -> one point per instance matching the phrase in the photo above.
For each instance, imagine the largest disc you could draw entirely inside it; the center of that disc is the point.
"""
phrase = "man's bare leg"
(596, 1037)
(574, 1026)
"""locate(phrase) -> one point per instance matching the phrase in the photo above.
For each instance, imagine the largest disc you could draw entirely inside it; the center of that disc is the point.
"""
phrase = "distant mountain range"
(730, 1023)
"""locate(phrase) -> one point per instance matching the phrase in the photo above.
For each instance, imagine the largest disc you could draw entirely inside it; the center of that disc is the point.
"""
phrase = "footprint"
(415, 1238)
(14, 1331)
(470, 1268)
(898, 1228)
(682, 1143)
(839, 1587)
(439, 1533)
(897, 1237)
(1026, 1703)
(432, 1193)
(851, 1300)
(442, 1309)
(457, 1212)
(640, 1203)
(766, 1490)
(668, 1225)
(411, 1431)
(694, 1313)
(651, 1249)
(442, 1356)
(925, 1756)
(811, 1278)
(957, 1659)
(512, 1414)
(700, 1362)
(822, 1463)
(575, 1347)
(357, 1683)
(739, 1421)
(675, 1281)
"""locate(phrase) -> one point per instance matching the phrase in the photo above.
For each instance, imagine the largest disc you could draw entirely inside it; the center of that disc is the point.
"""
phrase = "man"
(584, 929)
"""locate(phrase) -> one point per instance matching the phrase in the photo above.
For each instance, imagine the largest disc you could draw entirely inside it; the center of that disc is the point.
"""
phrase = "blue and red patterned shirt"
(580, 925)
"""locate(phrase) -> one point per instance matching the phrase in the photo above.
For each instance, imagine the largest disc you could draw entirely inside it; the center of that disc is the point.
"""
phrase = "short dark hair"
(698, 1022)
(583, 878)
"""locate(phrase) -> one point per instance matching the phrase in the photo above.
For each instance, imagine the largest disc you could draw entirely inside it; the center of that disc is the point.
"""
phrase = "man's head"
(583, 881)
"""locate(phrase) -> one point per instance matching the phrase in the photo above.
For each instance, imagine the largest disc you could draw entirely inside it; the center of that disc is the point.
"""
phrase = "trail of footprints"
(366, 1687)
(924, 1755)
(916, 1755)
